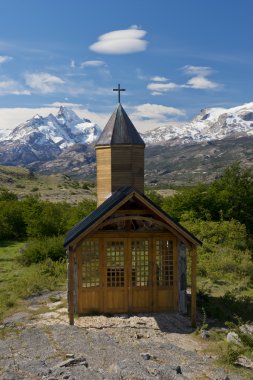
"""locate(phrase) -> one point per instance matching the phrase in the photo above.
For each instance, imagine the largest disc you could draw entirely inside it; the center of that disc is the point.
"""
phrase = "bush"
(224, 254)
(229, 197)
(12, 223)
(39, 250)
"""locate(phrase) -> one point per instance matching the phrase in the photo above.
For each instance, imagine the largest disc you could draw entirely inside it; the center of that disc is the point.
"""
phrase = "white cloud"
(162, 87)
(5, 58)
(159, 79)
(154, 111)
(64, 104)
(11, 87)
(43, 82)
(201, 83)
(121, 42)
(95, 63)
(149, 116)
(198, 82)
(202, 71)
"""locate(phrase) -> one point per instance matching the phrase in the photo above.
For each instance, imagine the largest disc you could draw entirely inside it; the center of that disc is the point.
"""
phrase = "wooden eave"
(174, 227)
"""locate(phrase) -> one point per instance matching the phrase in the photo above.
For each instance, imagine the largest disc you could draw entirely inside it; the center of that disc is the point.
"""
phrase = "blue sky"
(174, 57)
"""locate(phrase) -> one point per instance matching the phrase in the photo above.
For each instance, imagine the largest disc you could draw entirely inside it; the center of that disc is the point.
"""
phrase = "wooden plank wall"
(119, 166)
(103, 155)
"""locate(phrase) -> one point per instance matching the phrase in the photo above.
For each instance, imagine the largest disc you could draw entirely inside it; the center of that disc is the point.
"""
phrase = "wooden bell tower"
(120, 155)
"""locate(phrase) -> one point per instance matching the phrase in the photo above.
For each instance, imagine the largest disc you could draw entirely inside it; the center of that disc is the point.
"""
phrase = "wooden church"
(128, 255)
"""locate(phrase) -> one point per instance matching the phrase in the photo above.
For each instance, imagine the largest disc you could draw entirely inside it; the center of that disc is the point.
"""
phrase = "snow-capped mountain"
(210, 124)
(64, 143)
(43, 138)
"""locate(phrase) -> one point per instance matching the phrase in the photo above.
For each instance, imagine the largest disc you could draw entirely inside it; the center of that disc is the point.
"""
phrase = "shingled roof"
(110, 203)
(119, 130)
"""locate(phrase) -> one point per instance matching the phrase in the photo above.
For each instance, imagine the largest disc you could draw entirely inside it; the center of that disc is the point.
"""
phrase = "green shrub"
(229, 197)
(39, 250)
(12, 223)
(20, 186)
(6, 195)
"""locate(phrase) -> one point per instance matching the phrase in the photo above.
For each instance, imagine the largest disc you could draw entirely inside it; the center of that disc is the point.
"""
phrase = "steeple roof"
(120, 130)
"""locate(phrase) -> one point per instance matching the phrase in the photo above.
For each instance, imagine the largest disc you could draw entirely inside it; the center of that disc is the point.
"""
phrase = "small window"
(140, 267)
(115, 264)
(164, 263)
(90, 264)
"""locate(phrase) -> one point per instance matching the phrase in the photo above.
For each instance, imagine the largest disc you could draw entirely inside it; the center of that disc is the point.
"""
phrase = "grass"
(18, 282)
(22, 182)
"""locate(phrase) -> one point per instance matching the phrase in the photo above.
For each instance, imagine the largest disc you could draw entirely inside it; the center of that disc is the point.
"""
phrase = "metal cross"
(119, 90)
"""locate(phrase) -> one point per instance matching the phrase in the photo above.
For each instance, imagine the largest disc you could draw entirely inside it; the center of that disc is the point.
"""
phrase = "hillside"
(175, 154)
(55, 188)
(192, 163)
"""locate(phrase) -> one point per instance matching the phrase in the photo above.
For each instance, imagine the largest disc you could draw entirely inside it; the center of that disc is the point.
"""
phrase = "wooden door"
(115, 276)
(164, 276)
(89, 284)
(140, 295)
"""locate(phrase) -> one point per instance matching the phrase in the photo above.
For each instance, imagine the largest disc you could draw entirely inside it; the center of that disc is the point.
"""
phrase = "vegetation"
(219, 214)
(32, 217)
(19, 282)
(229, 197)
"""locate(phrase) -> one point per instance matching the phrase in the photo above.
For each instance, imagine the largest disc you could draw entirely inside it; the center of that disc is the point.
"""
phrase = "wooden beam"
(193, 255)
(70, 286)
(176, 229)
(134, 212)
(133, 217)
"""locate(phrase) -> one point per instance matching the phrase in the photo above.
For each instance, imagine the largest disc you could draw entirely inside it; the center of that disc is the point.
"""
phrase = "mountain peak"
(66, 114)
(41, 138)
(210, 124)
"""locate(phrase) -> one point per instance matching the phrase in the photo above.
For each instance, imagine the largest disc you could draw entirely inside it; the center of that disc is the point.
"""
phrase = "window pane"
(90, 264)
(164, 263)
(115, 264)
(140, 267)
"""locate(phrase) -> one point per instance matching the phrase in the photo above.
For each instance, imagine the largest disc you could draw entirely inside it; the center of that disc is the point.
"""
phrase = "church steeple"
(120, 130)
(120, 156)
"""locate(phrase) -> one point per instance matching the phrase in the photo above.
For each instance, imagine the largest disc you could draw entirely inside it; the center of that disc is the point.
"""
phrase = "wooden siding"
(119, 166)
(103, 174)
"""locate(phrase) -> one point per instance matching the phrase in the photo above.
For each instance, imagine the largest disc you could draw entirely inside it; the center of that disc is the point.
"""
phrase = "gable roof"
(120, 130)
(109, 204)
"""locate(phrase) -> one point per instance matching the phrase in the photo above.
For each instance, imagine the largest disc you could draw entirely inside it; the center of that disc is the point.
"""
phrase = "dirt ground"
(39, 344)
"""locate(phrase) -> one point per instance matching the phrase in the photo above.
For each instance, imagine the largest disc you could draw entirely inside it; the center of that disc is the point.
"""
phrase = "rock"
(204, 334)
(145, 355)
(245, 362)
(153, 371)
(247, 328)
(178, 370)
(232, 337)
(9, 375)
(70, 355)
(74, 361)
(115, 368)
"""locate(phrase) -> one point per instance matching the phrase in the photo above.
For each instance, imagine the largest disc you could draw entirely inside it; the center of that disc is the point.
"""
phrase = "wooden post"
(70, 286)
(193, 254)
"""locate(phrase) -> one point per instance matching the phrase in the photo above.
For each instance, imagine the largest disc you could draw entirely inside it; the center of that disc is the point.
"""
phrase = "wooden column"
(70, 286)
(193, 254)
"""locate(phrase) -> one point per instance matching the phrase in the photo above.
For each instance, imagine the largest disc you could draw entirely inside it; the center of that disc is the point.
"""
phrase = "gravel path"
(39, 344)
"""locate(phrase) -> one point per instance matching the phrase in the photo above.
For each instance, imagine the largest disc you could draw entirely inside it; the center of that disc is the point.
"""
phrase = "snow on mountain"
(64, 130)
(210, 124)
(43, 138)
